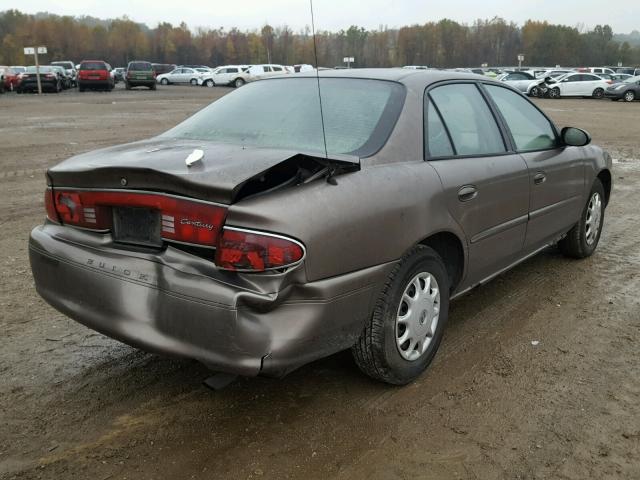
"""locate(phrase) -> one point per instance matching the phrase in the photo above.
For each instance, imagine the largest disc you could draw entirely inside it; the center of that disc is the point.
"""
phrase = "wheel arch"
(450, 248)
(605, 177)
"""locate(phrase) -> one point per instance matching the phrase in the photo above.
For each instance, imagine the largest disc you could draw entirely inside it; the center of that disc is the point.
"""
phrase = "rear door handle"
(466, 193)
(539, 178)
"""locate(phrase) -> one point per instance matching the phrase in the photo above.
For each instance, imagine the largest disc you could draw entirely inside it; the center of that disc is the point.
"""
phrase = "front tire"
(402, 336)
(554, 92)
(238, 82)
(534, 92)
(629, 96)
(210, 83)
(164, 81)
(194, 82)
(598, 93)
(583, 238)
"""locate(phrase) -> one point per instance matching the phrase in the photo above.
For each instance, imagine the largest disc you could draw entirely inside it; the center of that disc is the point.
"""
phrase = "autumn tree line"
(443, 44)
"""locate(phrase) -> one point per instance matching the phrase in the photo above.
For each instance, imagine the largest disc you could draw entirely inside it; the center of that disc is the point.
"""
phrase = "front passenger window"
(530, 129)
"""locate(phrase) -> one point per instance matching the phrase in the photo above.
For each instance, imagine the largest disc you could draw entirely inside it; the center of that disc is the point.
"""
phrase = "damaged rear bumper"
(174, 303)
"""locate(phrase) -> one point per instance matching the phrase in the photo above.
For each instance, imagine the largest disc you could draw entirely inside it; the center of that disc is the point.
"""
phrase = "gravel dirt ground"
(494, 404)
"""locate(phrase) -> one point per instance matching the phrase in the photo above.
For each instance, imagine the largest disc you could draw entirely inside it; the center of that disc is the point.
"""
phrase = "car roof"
(406, 76)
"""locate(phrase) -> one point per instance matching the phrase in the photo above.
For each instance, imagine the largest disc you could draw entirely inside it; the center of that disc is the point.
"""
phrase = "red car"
(8, 79)
(95, 74)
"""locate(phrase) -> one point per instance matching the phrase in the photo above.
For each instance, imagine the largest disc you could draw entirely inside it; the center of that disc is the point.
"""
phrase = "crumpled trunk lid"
(159, 164)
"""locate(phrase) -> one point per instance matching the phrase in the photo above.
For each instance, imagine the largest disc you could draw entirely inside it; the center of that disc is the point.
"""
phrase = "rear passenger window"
(530, 129)
(436, 136)
(467, 116)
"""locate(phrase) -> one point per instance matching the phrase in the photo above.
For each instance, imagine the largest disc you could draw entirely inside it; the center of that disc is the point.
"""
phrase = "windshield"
(93, 66)
(285, 113)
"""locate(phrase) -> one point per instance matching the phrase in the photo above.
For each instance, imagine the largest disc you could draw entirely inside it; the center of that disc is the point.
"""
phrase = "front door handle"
(539, 178)
(466, 193)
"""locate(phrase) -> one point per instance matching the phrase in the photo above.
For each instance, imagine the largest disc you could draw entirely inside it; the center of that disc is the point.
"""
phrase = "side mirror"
(575, 137)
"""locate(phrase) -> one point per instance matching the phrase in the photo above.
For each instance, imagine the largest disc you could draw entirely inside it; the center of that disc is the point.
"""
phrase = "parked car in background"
(161, 68)
(140, 74)
(95, 74)
(627, 70)
(18, 69)
(65, 79)
(596, 70)
(519, 80)
(627, 90)
(181, 75)
(553, 73)
(9, 79)
(49, 80)
(70, 70)
(258, 72)
(247, 239)
(618, 77)
(234, 75)
(197, 67)
(416, 67)
(119, 74)
(579, 85)
(303, 67)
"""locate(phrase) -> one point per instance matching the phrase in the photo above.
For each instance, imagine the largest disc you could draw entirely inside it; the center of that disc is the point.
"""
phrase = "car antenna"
(330, 168)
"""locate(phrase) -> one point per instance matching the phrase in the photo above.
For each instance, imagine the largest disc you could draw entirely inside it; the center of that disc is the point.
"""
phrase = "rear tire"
(598, 93)
(583, 238)
(629, 96)
(194, 82)
(238, 82)
(210, 83)
(381, 352)
(164, 81)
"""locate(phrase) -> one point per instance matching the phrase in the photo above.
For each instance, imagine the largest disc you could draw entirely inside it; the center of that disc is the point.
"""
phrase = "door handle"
(466, 193)
(539, 178)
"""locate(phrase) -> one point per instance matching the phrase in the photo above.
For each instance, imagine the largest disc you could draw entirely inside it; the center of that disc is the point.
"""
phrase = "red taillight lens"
(254, 251)
(50, 207)
(182, 220)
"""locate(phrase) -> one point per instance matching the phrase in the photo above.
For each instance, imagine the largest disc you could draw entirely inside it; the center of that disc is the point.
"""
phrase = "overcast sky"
(622, 15)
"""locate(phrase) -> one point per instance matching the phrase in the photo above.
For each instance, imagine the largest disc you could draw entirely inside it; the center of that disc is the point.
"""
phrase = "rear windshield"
(43, 69)
(285, 113)
(67, 65)
(140, 66)
(93, 66)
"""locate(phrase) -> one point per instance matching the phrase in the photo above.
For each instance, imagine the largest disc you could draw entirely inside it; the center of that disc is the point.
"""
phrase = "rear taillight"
(247, 250)
(182, 220)
(50, 207)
